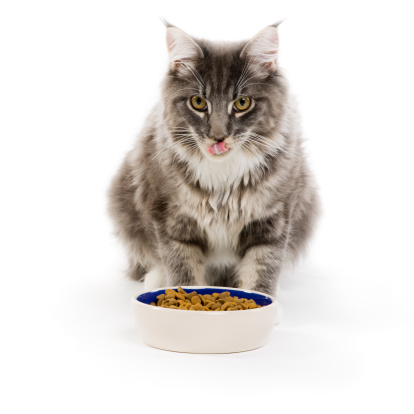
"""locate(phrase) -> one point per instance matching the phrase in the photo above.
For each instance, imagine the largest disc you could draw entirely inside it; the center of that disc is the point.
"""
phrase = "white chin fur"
(218, 172)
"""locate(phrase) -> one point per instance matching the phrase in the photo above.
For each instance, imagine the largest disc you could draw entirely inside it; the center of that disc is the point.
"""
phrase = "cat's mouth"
(218, 148)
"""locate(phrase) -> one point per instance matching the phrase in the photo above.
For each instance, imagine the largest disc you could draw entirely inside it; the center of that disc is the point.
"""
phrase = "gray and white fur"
(188, 217)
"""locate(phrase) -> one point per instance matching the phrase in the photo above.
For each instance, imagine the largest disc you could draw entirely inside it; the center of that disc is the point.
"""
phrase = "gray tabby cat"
(217, 190)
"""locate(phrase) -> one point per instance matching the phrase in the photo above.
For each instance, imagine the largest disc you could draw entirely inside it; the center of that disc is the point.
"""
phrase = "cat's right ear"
(263, 49)
(183, 51)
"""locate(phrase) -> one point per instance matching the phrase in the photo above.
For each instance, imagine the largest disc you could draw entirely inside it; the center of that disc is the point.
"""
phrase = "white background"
(77, 80)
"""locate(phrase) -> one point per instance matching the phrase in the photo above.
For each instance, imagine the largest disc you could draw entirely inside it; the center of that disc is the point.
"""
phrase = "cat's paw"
(154, 279)
(279, 313)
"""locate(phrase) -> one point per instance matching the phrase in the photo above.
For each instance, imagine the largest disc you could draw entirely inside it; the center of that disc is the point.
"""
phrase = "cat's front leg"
(262, 246)
(182, 247)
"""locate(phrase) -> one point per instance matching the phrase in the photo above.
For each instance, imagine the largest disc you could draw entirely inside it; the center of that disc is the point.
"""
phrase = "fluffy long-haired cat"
(216, 190)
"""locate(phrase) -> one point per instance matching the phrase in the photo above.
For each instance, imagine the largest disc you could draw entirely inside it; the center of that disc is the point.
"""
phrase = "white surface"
(77, 80)
(205, 332)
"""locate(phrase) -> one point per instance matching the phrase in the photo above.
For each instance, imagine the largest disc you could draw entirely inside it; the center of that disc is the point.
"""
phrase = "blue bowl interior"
(260, 299)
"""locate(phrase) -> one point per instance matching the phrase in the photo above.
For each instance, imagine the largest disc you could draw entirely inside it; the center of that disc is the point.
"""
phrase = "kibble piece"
(170, 302)
(161, 297)
(227, 305)
(195, 300)
(181, 290)
(169, 297)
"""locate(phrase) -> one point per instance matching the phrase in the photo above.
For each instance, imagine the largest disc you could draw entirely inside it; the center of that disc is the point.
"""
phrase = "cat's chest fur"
(223, 206)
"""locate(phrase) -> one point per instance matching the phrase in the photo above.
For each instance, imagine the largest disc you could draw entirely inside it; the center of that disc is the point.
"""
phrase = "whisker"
(270, 144)
(199, 79)
(245, 81)
(243, 74)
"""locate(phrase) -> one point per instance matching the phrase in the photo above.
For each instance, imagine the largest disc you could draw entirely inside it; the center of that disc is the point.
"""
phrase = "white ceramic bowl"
(205, 332)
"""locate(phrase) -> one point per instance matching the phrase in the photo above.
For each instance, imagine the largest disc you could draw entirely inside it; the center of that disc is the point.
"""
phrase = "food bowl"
(205, 332)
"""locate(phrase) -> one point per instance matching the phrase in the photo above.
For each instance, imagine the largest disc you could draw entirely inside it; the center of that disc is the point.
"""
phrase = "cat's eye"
(242, 103)
(199, 103)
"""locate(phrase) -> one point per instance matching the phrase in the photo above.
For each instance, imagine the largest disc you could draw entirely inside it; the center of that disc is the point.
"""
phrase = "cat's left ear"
(263, 49)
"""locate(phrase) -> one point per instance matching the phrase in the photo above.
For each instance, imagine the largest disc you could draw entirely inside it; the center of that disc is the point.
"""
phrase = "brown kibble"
(227, 305)
(223, 301)
(170, 302)
(169, 297)
(195, 300)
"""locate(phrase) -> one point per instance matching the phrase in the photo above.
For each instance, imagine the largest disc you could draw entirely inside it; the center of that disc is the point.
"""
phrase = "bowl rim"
(135, 300)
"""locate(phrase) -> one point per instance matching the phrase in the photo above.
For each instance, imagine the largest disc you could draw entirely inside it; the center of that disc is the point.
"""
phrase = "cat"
(217, 190)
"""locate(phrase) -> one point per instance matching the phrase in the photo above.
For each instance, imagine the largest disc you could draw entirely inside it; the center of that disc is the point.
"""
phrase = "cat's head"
(224, 99)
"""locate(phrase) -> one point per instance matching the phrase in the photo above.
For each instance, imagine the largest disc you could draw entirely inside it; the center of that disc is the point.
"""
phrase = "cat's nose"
(219, 139)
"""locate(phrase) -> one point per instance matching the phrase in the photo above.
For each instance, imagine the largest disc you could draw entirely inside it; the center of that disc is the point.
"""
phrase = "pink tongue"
(218, 148)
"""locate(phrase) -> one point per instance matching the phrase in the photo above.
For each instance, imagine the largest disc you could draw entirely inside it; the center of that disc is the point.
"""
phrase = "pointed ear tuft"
(182, 49)
(263, 48)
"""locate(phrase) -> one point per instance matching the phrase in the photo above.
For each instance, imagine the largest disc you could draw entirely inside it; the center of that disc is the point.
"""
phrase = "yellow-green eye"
(198, 103)
(242, 103)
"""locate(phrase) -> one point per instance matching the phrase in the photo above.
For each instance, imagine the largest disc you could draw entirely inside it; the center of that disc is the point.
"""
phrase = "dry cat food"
(180, 299)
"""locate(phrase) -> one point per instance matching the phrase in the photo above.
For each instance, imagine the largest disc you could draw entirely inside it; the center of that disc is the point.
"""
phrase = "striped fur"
(189, 217)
